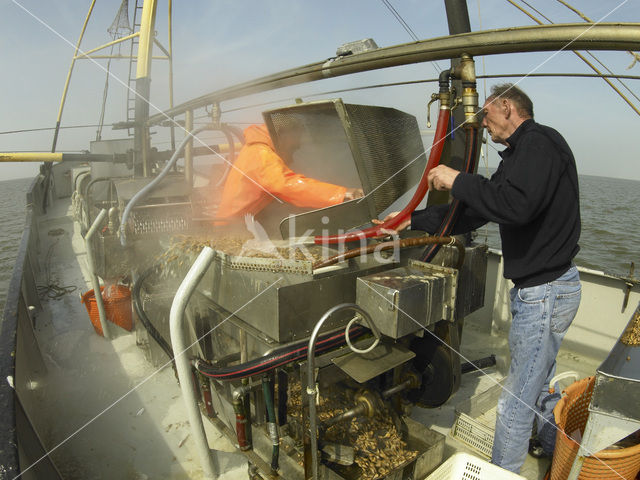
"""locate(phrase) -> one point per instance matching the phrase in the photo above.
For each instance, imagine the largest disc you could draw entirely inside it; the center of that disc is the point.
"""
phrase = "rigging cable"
(590, 54)
(353, 89)
(407, 28)
(635, 55)
(580, 56)
(105, 93)
(431, 80)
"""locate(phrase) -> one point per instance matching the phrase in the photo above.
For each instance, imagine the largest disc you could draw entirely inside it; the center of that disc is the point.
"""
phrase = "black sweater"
(533, 196)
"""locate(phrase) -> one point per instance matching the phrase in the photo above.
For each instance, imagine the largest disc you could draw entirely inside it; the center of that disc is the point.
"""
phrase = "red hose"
(423, 186)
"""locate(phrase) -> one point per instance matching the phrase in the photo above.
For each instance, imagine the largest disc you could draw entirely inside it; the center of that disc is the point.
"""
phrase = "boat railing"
(20, 358)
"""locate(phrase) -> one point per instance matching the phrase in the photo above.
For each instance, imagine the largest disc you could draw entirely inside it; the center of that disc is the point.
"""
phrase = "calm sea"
(13, 200)
(610, 225)
(610, 238)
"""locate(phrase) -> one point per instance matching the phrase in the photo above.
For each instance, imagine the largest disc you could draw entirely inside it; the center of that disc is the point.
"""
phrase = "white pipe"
(312, 391)
(92, 270)
(180, 347)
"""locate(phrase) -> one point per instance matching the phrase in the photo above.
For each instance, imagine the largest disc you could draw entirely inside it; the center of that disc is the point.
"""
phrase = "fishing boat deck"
(104, 388)
(101, 388)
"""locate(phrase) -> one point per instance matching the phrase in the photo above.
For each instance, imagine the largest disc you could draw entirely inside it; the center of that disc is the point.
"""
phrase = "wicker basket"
(117, 305)
(571, 414)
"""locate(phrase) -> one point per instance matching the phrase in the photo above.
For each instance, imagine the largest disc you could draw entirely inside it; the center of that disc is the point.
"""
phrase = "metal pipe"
(87, 53)
(180, 349)
(582, 57)
(66, 83)
(92, 270)
(365, 403)
(170, 41)
(397, 388)
(404, 243)
(311, 383)
(457, 16)
(150, 186)
(359, 409)
(602, 36)
(142, 141)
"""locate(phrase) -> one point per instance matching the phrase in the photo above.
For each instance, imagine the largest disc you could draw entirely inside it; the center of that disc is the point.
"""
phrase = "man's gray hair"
(521, 100)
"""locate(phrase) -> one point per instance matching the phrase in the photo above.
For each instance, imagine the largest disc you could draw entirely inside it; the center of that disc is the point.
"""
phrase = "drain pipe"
(311, 382)
(180, 347)
(92, 270)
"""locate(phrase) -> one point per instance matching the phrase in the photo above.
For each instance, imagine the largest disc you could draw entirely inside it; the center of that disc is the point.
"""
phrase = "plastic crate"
(475, 421)
(463, 466)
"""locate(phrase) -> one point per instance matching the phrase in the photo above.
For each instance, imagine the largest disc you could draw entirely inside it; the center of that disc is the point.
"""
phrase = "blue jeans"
(541, 317)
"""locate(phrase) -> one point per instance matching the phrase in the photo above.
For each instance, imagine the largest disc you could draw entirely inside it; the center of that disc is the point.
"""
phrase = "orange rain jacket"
(258, 170)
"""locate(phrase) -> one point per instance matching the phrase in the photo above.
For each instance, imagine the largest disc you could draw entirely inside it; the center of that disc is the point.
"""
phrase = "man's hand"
(404, 224)
(442, 177)
(353, 193)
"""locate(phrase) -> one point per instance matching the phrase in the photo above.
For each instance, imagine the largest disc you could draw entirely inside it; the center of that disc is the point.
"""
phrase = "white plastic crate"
(476, 419)
(473, 433)
(463, 466)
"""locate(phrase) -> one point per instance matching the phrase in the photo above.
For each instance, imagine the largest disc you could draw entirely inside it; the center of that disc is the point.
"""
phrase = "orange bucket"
(117, 307)
(571, 414)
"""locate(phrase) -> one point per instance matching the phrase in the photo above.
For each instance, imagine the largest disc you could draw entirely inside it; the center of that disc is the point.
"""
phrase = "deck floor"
(98, 389)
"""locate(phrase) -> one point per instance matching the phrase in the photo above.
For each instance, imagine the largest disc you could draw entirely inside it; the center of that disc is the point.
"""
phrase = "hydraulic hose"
(150, 186)
(470, 155)
(423, 187)
(267, 384)
(137, 305)
(283, 397)
(404, 243)
(277, 358)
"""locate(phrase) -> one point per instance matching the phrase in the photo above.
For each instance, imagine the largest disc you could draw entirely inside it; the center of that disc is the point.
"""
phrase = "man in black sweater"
(533, 196)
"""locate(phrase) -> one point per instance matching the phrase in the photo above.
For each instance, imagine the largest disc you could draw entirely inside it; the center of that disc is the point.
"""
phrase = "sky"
(217, 44)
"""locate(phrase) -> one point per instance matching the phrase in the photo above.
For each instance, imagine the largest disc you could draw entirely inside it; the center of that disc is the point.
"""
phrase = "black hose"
(267, 384)
(479, 364)
(137, 305)
(277, 358)
(283, 396)
(471, 148)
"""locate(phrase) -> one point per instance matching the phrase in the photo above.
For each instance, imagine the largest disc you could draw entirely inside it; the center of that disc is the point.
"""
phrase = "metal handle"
(373, 328)
(311, 384)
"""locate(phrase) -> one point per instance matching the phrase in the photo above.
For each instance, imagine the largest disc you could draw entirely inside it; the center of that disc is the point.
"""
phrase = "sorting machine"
(282, 348)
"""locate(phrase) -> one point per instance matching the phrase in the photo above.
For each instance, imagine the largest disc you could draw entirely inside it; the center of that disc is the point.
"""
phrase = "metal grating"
(376, 148)
(161, 219)
(391, 155)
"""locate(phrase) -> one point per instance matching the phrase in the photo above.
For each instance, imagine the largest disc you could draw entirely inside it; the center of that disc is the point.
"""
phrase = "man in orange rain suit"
(259, 175)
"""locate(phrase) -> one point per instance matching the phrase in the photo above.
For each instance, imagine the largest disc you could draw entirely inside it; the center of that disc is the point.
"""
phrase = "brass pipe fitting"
(466, 72)
(470, 105)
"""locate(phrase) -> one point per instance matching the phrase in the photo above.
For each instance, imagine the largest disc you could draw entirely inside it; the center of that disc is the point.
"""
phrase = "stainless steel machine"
(388, 320)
